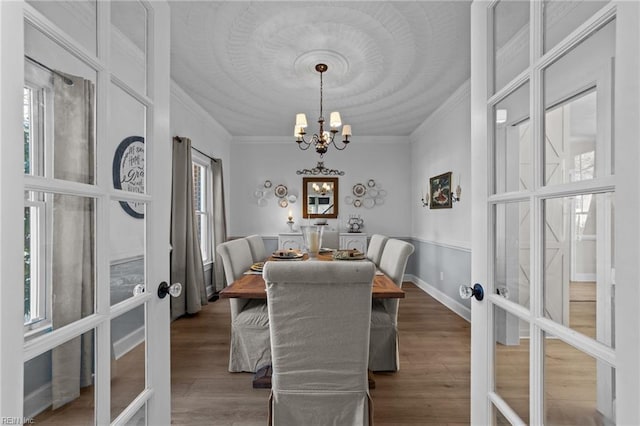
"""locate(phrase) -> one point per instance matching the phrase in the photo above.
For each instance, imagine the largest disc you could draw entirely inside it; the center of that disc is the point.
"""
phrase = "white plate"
(368, 203)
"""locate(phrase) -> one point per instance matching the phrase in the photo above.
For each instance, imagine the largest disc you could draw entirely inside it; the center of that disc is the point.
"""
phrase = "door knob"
(477, 291)
(174, 289)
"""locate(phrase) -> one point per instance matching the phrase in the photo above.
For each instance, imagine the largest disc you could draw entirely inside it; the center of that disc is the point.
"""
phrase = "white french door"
(85, 151)
(555, 118)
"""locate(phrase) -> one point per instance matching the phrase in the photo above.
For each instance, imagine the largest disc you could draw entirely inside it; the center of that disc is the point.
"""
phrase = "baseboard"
(37, 401)
(453, 305)
(128, 342)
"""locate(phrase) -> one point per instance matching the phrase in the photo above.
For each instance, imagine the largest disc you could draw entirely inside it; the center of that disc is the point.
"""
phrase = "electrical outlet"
(441, 276)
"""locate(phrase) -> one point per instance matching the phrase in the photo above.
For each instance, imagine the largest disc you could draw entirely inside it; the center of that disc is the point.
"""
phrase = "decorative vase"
(312, 235)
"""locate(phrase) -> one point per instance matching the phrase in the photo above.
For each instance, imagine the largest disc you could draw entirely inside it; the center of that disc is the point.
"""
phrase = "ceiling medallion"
(320, 169)
(323, 138)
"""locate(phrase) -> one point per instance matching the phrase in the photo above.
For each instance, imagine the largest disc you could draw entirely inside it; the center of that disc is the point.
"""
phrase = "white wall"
(443, 144)
(384, 159)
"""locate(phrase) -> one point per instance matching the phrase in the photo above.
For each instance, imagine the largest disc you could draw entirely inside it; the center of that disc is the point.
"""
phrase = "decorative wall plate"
(368, 203)
(267, 184)
(348, 199)
(292, 198)
(359, 190)
(283, 203)
(371, 183)
(357, 203)
(281, 191)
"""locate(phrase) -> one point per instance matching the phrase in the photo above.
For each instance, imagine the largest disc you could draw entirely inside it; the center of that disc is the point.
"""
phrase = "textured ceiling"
(251, 64)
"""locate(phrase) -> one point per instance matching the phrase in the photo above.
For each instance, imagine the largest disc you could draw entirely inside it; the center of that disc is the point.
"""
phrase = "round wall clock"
(128, 172)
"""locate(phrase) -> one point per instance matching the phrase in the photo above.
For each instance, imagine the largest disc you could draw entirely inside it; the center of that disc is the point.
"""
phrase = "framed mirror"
(320, 197)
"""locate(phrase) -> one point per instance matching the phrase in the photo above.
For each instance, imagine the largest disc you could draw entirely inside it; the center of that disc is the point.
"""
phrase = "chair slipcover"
(331, 239)
(376, 245)
(249, 347)
(258, 250)
(319, 316)
(383, 348)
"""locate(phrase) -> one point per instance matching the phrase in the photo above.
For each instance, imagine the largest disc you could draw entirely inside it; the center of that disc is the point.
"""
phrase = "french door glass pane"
(578, 389)
(511, 41)
(128, 378)
(61, 256)
(77, 18)
(512, 251)
(511, 336)
(127, 265)
(512, 148)
(128, 141)
(560, 18)
(501, 420)
(129, 43)
(58, 111)
(59, 384)
(578, 264)
(578, 109)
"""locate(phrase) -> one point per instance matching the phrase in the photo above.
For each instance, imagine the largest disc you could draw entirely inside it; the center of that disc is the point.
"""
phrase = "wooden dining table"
(252, 286)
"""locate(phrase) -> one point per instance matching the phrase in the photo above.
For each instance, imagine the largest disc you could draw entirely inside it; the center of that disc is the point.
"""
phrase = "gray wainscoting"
(439, 270)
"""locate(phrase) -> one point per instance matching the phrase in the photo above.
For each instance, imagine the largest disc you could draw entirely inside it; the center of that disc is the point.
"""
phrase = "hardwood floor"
(432, 386)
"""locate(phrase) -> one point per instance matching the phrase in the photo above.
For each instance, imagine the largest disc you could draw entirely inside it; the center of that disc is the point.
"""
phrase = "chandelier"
(323, 138)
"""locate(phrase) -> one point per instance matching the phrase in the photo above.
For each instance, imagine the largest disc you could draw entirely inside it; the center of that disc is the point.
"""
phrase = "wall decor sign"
(128, 172)
(440, 190)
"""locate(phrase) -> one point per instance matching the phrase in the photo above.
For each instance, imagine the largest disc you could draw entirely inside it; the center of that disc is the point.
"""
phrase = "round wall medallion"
(128, 172)
(371, 183)
(357, 203)
(283, 202)
(267, 184)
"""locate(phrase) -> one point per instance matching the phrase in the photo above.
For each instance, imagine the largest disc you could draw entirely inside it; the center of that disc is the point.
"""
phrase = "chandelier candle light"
(323, 138)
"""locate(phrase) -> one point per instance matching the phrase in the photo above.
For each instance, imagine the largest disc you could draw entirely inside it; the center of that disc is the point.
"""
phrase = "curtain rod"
(66, 79)
(196, 149)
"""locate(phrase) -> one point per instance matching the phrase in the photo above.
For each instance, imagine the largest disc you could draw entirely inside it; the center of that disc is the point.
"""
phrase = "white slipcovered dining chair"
(383, 347)
(249, 347)
(331, 239)
(376, 246)
(258, 250)
(319, 316)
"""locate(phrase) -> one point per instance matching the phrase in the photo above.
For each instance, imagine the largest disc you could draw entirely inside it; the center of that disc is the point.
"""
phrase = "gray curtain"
(73, 235)
(219, 222)
(186, 259)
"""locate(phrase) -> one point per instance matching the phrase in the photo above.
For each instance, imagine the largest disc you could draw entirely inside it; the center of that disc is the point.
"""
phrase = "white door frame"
(12, 184)
(626, 184)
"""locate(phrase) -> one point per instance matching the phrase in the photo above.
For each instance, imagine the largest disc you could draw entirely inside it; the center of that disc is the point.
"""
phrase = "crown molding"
(181, 96)
(461, 94)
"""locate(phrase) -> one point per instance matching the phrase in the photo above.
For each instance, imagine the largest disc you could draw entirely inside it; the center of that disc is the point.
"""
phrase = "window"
(37, 310)
(203, 204)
